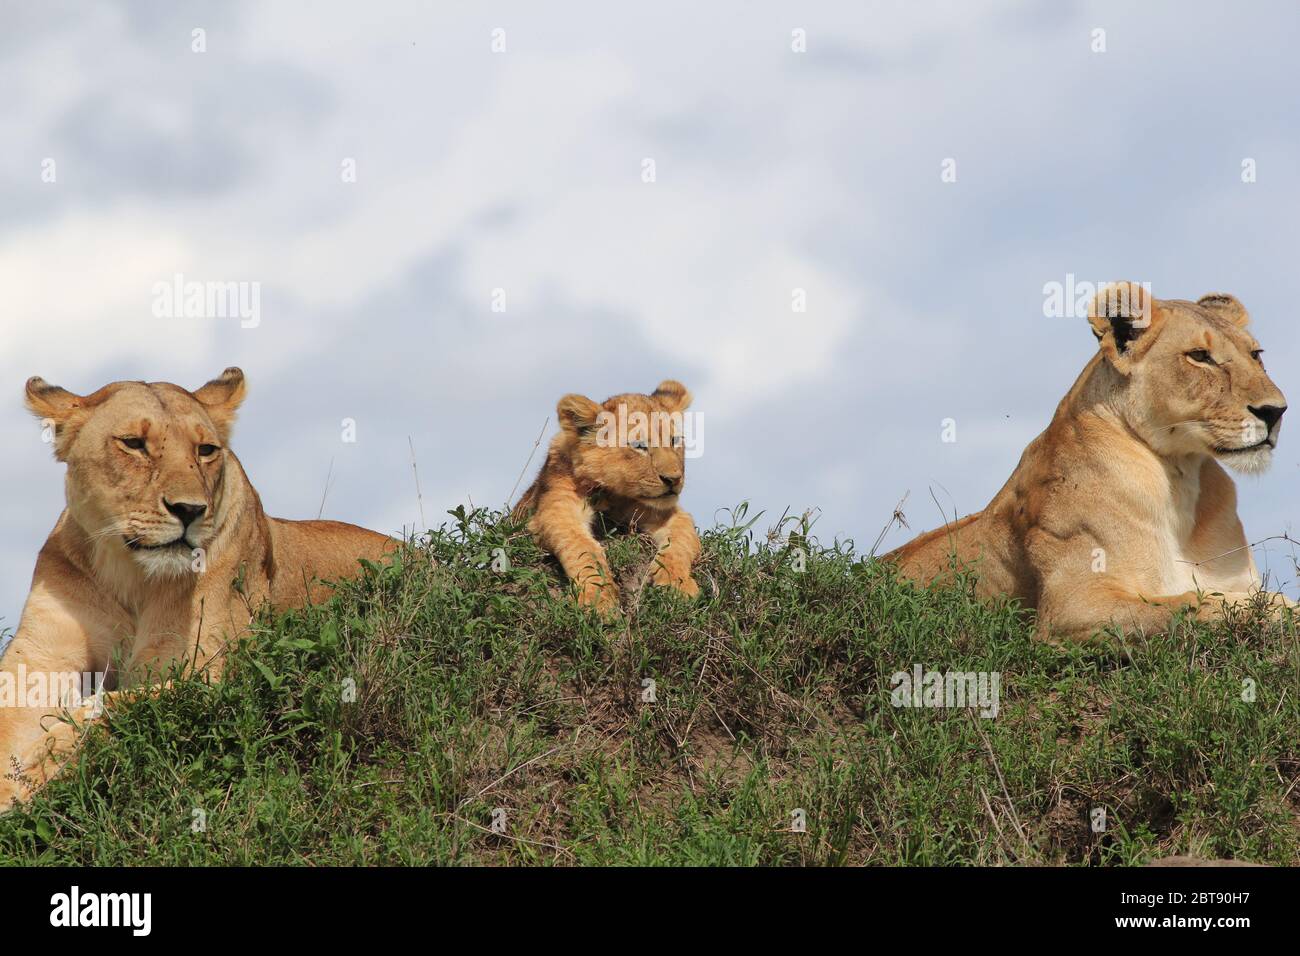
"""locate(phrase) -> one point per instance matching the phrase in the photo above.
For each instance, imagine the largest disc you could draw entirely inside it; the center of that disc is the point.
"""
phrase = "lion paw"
(11, 794)
(601, 597)
(682, 583)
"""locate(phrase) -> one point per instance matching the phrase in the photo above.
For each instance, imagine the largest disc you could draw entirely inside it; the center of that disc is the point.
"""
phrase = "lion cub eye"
(677, 441)
(207, 451)
(639, 445)
(1201, 357)
(135, 444)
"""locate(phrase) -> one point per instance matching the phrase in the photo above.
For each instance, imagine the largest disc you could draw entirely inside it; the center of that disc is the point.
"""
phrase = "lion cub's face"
(146, 463)
(1198, 384)
(631, 445)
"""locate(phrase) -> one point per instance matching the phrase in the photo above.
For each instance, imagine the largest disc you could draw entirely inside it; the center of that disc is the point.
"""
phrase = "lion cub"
(626, 460)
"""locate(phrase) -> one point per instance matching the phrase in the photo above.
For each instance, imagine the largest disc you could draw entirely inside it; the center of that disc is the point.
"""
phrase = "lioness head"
(631, 445)
(146, 463)
(1196, 380)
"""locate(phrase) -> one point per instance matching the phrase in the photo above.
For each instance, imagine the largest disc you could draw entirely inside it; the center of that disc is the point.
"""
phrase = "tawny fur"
(595, 468)
(1120, 512)
(102, 596)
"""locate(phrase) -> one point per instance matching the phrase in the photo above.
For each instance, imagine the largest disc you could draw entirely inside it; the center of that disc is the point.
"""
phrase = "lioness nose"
(1270, 415)
(186, 512)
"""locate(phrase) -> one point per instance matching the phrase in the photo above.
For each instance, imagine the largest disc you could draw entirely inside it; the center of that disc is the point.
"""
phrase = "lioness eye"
(135, 444)
(1256, 356)
(206, 450)
(1202, 356)
(677, 441)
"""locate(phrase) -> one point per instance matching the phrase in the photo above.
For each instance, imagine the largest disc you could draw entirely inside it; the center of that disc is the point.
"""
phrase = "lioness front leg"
(41, 681)
(562, 526)
(679, 546)
(1082, 615)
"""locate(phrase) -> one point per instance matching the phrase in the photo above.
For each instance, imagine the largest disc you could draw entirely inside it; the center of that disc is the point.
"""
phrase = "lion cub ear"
(673, 394)
(576, 413)
(1124, 316)
(1226, 306)
(222, 397)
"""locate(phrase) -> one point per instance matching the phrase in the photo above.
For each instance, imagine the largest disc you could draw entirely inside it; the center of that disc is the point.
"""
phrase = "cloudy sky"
(486, 175)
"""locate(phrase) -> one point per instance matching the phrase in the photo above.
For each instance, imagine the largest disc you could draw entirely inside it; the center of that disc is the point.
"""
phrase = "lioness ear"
(1124, 316)
(576, 412)
(49, 401)
(1227, 306)
(56, 408)
(673, 394)
(222, 397)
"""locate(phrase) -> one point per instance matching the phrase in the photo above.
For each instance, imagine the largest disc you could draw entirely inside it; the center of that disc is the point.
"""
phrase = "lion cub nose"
(1270, 415)
(670, 481)
(186, 512)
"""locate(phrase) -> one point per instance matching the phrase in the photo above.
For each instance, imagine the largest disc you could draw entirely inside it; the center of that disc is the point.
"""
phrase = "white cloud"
(775, 171)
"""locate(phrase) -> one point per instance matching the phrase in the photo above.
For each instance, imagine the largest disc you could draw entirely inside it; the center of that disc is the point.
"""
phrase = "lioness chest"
(1193, 538)
(1176, 527)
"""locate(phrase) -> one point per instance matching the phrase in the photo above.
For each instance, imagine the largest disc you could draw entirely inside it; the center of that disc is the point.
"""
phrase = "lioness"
(1120, 512)
(162, 553)
(626, 460)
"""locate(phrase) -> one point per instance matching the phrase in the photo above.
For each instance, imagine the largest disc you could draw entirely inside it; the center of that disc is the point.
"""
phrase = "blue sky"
(521, 170)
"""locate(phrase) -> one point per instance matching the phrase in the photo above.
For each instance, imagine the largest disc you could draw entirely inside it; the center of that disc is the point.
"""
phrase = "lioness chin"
(163, 553)
(1121, 512)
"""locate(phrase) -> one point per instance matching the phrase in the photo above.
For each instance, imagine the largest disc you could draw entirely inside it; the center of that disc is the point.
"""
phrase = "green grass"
(479, 689)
